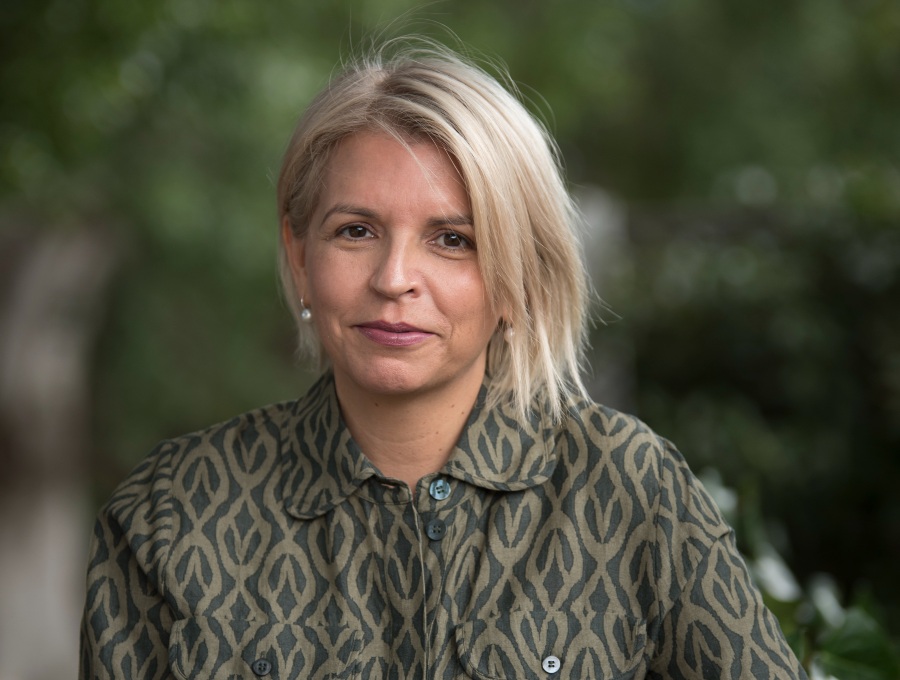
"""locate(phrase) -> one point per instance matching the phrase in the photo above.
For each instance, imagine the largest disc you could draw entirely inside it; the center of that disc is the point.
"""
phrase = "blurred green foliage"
(768, 346)
(754, 146)
(831, 639)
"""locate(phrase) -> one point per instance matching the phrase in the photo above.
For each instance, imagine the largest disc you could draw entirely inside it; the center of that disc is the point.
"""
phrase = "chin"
(399, 384)
(393, 378)
(387, 380)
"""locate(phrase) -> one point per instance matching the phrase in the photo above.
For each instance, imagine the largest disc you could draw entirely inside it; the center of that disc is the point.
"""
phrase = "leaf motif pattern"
(270, 542)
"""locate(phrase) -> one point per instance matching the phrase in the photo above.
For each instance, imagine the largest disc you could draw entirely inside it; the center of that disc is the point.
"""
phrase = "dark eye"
(453, 241)
(355, 231)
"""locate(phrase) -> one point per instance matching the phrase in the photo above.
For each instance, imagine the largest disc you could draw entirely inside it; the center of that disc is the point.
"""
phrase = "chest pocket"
(552, 646)
(235, 650)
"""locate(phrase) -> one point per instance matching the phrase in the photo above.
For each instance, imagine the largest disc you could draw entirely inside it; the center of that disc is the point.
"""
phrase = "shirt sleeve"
(125, 627)
(126, 621)
(719, 626)
(713, 621)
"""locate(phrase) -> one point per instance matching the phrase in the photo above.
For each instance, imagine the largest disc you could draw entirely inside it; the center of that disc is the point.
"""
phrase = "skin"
(389, 268)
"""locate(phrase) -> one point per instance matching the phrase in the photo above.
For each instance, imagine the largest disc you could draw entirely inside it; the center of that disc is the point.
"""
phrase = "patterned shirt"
(270, 546)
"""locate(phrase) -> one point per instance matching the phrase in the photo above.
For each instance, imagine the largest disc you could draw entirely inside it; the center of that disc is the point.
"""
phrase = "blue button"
(261, 667)
(439, 489)
(436, 529)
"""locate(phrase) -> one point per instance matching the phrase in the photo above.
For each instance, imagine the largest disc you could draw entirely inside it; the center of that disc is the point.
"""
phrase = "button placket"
(439, 490)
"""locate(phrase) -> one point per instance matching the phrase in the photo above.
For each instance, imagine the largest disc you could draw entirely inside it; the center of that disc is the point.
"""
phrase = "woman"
(445, 502)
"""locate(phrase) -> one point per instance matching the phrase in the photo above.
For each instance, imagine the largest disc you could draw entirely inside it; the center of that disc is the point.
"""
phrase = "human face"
(389, 269)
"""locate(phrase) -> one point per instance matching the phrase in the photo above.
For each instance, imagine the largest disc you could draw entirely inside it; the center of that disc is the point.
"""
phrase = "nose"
(396, 272)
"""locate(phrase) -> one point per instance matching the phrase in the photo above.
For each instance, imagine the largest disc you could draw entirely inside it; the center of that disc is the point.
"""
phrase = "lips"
(393, 334)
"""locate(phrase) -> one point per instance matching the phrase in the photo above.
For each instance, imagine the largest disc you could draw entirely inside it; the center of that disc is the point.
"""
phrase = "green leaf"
(859, 650)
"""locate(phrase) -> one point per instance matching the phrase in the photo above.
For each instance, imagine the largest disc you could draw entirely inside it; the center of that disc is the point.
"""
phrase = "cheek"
(330, 279)
(469, 301)
(337, 290)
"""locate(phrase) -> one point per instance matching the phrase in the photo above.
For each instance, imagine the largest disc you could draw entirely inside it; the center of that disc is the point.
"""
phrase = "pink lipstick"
(393, 334)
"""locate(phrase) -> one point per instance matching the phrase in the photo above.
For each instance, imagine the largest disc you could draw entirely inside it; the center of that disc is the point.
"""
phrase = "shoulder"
(198, 465)
(603, 436)
(627, 459)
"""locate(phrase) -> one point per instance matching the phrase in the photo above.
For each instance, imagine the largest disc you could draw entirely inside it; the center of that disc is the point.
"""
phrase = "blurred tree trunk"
(52, 286)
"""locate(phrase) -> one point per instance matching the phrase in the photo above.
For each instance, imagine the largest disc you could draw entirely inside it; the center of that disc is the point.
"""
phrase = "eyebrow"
(444, 220)
(451, 221)
(348, 209)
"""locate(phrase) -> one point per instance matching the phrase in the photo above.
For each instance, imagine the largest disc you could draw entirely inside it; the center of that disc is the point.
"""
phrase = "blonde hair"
(525, 220)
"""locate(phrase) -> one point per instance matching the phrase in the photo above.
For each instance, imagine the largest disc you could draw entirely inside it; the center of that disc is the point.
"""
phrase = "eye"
(355, 232)
(453, 241)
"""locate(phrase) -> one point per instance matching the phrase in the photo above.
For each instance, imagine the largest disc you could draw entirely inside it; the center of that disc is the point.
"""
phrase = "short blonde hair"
(525, 220)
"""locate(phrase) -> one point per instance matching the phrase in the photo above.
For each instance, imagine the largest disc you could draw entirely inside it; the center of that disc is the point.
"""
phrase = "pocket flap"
(551, 645)
(208, 648)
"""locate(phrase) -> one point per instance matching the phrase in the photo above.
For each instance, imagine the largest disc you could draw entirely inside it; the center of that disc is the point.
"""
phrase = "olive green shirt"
(269, 546)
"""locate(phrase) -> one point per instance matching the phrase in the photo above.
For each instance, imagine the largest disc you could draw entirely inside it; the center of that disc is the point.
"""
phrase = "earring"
(509, 333)
(305, 313)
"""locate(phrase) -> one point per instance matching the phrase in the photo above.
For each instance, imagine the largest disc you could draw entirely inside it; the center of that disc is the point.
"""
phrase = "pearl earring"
(305, 313)
(509, 333)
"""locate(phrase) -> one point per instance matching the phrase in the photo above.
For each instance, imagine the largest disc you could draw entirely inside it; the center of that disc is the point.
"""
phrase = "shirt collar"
(322, 465)
(499, 450)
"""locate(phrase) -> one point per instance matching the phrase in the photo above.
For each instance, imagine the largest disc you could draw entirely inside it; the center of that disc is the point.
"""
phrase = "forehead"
(376, 165)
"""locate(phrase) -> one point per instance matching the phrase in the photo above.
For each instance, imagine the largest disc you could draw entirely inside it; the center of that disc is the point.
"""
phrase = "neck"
(407, 436)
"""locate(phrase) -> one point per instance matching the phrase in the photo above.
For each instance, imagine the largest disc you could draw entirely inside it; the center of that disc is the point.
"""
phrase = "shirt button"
(439, 489)
(550, 664)
(261, 667)
(436, 529)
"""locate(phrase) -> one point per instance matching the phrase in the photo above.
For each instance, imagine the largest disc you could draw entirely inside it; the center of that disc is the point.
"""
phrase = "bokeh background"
(738, 166)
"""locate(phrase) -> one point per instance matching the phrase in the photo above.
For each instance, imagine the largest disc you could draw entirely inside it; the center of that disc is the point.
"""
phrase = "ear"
(502, 313)
(295, 250)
